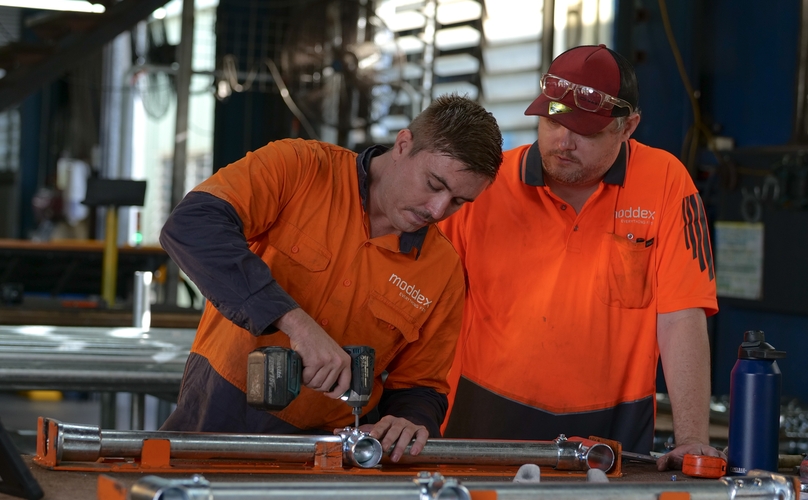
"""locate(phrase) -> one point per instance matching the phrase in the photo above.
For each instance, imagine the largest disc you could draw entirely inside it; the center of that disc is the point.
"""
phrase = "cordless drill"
(274, 377)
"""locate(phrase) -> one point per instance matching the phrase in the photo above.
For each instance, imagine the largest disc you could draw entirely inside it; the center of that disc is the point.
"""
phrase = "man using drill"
(308, 245)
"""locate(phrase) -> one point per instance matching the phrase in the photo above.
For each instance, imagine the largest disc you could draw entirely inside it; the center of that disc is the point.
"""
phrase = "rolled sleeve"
(203, 235)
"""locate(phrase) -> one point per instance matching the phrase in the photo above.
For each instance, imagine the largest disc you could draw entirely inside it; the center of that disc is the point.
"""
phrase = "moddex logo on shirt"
(410, 292)
(636, 214)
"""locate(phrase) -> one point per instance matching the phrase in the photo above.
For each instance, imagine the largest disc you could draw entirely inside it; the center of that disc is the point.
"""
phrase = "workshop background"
(167, 92)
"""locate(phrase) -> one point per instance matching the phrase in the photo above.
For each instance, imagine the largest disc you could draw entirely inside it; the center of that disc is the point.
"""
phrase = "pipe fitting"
(84, 441)
(436, 487)
(583, 454)
(360, 449)
(158, 488)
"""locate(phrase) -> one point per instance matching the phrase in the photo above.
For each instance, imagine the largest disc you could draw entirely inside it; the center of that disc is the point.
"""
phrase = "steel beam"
(71, 51)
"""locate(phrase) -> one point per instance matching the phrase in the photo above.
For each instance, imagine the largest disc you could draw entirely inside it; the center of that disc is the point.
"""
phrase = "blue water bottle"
(754, 407)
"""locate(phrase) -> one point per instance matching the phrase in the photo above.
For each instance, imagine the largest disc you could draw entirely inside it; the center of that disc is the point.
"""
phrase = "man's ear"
(403, 144)
(631, 125)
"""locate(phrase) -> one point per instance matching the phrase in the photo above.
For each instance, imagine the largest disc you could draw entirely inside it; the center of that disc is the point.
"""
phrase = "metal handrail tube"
(560, 454)
(198, 488)
(759, 485)
(93, 358)
(89, 443)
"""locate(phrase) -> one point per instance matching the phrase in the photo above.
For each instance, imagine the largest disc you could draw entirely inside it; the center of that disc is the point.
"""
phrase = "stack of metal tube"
(93, 358)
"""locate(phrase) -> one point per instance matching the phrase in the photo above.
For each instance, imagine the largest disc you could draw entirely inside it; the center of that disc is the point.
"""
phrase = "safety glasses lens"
(588, 98)
(554, 87)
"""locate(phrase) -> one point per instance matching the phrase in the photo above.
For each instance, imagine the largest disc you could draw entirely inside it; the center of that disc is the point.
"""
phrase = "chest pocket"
(388, 329)
(625, 272)
(305, 258)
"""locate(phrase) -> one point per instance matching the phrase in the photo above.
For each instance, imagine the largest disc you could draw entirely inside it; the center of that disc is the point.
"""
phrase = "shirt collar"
(407, 241)
(532, 174)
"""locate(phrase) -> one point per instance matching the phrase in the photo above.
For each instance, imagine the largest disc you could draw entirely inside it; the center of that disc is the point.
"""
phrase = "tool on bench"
(274, 377)
(692, 465)
(639, 457)
(704, 466)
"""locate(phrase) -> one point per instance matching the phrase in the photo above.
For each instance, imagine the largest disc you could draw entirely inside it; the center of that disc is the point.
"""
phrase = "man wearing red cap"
(585, 262)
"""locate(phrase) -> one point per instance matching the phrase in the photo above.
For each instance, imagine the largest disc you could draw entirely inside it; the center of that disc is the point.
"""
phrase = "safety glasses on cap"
(586, 98)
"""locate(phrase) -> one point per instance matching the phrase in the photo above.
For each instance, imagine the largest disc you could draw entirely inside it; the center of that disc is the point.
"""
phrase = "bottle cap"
(754, 346)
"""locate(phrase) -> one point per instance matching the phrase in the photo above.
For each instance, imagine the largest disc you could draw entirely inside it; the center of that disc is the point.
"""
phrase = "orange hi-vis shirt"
(561, 308)
(303, 215)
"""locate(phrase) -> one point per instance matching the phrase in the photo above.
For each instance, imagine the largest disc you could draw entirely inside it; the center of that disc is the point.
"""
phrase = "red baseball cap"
(593, 66)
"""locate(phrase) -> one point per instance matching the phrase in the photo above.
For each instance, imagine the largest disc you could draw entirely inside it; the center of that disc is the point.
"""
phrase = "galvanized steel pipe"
(759, 485)
(425, 487)
(560, 454)
(88, 443)
(94, 358)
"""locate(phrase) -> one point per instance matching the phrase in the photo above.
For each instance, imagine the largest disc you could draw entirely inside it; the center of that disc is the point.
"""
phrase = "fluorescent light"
(64, 5)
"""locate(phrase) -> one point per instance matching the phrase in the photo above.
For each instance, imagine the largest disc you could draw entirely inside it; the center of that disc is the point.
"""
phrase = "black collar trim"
(532, 174)
(407, 241)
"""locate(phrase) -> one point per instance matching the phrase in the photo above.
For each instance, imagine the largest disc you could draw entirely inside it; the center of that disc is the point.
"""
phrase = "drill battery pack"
(273, 377)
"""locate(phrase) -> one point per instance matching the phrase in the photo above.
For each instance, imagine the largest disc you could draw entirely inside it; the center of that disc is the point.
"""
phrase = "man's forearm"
(685, 351)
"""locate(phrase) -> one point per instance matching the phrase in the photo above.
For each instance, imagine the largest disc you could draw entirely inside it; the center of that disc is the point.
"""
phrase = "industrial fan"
(341, 68)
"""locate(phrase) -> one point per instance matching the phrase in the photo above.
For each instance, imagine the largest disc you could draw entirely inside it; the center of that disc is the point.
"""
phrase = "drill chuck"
(358, 394)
